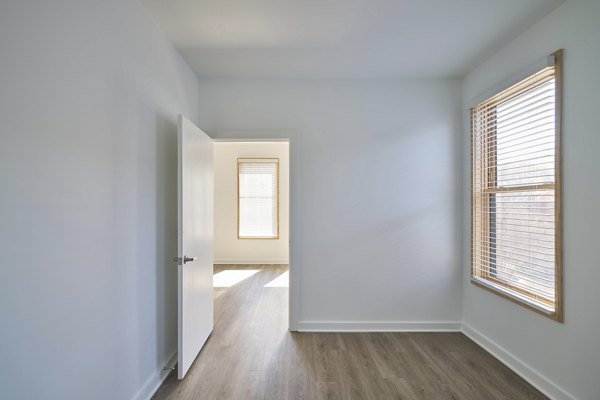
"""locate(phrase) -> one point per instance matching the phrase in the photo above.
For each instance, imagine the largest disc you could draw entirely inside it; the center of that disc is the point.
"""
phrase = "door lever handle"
(186, 259)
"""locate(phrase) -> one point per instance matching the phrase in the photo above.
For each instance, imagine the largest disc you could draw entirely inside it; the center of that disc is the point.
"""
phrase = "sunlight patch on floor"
(282, 280)
(230, 277)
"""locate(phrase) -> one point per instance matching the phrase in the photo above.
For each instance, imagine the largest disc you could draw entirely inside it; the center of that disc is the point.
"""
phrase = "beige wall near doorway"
(228, 248)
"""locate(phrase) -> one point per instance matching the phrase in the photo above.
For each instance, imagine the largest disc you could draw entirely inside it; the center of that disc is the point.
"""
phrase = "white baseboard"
(383, 326)
(537, 380)
(251, 262)
(157, 378)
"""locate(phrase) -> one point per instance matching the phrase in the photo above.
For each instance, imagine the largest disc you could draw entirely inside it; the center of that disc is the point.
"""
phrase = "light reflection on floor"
(282, 280)
(230, 277)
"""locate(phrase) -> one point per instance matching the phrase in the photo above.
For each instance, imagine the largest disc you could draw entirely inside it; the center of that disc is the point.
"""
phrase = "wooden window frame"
(266, 159)
(481, 278)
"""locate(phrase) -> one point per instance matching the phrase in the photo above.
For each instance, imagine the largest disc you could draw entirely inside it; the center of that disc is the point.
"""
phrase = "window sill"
(258, 238)
(517, 298)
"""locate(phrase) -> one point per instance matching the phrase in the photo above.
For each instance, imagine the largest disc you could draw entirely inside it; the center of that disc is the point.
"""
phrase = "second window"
(258, 198)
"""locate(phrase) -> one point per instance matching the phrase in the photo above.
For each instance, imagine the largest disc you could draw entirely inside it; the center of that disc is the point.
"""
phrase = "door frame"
(257, 136)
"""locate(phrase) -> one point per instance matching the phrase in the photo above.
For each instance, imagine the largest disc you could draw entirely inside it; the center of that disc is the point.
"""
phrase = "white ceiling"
(341, 38)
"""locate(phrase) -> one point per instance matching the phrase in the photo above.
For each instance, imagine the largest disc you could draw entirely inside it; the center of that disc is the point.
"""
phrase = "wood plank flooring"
(252, 355)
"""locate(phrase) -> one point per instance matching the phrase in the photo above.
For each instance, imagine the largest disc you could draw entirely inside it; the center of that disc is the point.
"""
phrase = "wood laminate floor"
(252, 355)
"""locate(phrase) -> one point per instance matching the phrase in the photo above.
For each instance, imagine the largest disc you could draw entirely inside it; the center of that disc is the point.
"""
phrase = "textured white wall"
(89, 95)
(564, 358)
(375, 191)
(228, 248)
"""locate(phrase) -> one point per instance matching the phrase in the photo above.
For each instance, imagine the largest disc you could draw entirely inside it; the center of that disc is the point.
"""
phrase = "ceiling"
(341, 38)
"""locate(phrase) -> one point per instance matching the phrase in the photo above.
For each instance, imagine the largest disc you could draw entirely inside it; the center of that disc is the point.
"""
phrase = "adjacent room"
(299, 199)
(251, 213)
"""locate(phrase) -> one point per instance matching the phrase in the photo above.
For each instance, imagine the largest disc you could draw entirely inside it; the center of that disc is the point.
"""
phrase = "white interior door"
(195, 241)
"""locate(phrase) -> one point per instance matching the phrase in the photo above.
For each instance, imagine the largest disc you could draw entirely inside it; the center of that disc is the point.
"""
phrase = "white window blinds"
(516, 192)
(258, 198)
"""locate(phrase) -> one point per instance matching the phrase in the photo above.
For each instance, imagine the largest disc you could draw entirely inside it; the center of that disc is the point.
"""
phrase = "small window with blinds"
(516, 187)
(258, 198)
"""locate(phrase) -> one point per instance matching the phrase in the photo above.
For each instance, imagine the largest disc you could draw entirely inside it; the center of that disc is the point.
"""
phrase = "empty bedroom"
(299, 199)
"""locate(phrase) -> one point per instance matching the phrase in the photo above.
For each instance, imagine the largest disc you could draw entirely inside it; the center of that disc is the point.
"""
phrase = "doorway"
(251, 228)
(233, 243)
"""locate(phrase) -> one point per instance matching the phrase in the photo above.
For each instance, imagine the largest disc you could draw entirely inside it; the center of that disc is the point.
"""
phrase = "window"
(258, 198)
(516, 188)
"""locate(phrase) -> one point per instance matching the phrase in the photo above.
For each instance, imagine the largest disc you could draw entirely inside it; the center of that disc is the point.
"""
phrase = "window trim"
(520, 297)
(257, 159)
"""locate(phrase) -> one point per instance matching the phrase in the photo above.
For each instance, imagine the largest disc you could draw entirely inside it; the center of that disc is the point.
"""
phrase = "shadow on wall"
(166, 234)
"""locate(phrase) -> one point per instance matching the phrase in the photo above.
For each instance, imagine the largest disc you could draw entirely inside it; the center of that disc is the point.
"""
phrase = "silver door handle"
(186, 259)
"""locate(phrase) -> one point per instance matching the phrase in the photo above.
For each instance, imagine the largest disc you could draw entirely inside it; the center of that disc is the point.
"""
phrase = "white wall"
(562, 359)
(228, 248)
(375, 193)
(88, 102)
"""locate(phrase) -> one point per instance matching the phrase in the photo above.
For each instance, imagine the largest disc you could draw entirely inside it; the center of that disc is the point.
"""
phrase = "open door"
(195, 242)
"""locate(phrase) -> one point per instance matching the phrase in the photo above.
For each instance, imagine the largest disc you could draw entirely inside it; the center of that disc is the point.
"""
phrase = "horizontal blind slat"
(519, 278)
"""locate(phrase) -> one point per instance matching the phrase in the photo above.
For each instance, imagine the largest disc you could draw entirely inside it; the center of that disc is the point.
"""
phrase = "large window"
(258, 198)
(516, 187)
